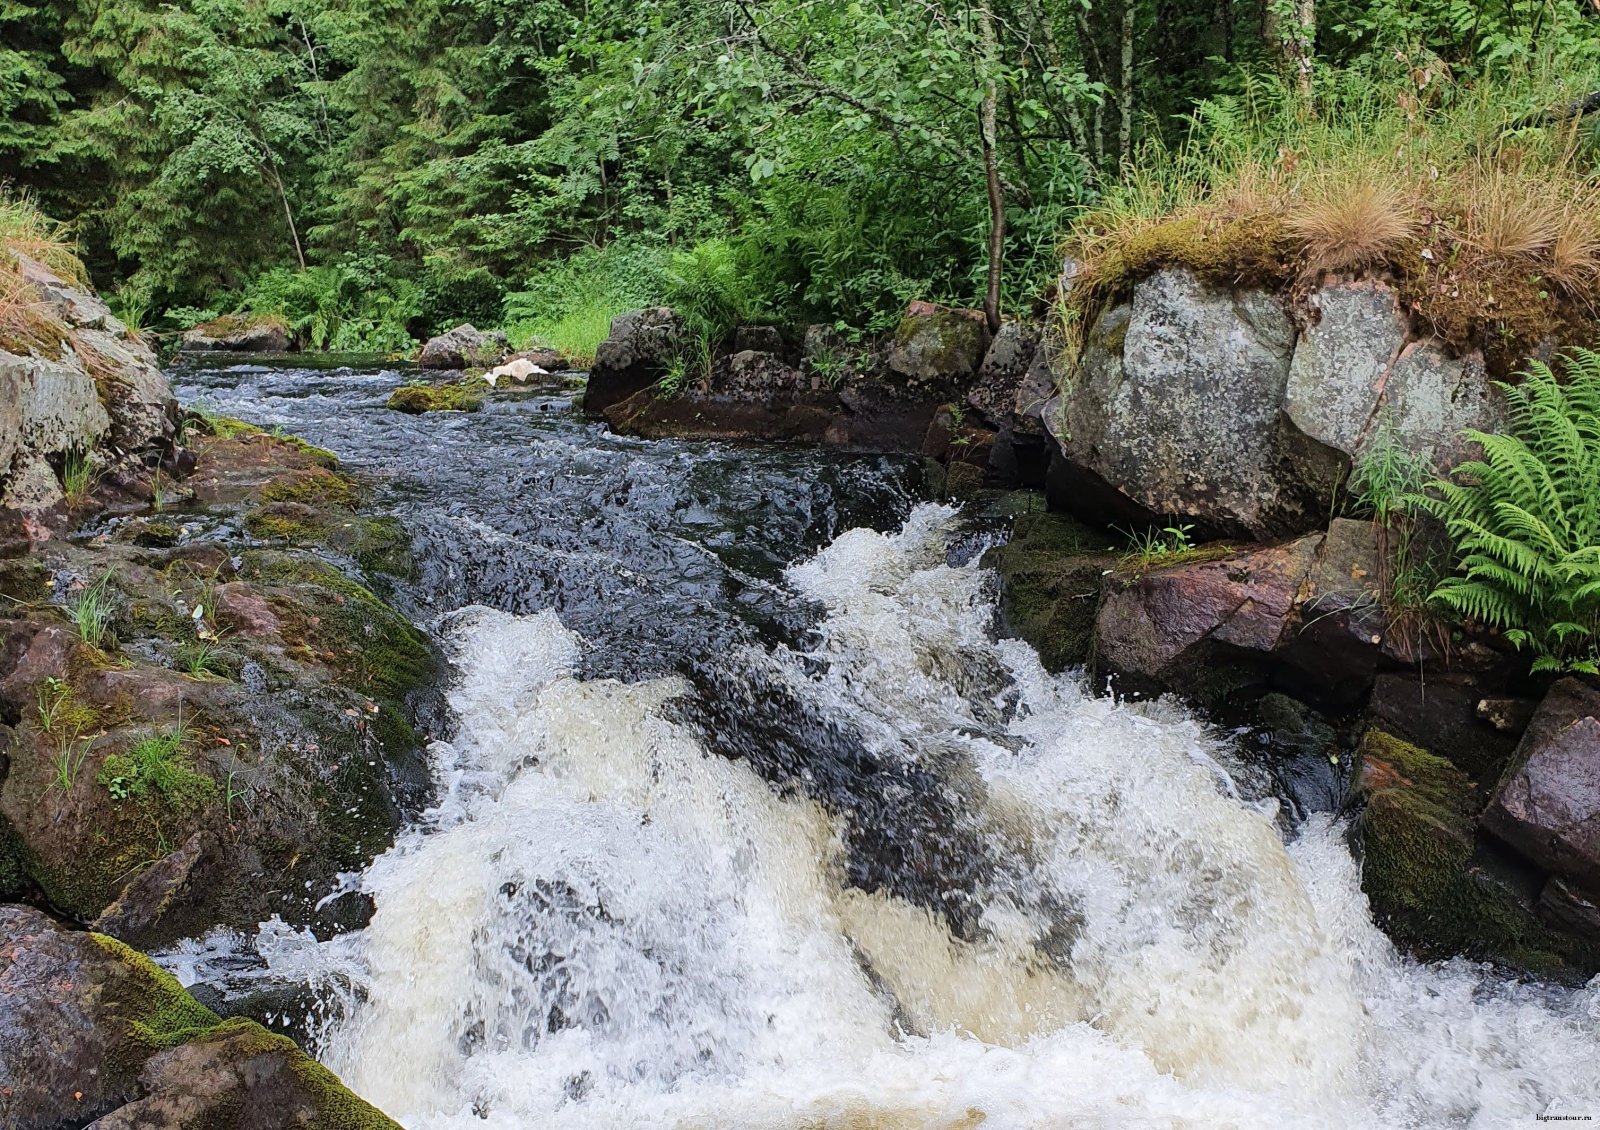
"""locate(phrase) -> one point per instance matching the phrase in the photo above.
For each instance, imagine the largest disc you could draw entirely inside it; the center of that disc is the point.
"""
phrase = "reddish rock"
(244, 610)
(150, 909)
(1154, 625)
(1548, 806)
(30, 653)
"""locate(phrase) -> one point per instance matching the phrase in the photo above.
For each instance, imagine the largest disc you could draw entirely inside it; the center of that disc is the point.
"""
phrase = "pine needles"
(1525, 520)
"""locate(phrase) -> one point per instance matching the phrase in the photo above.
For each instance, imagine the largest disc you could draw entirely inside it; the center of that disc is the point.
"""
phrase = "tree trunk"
(299, 255)
(991, 171)
(1292, 27)
(1125, 130)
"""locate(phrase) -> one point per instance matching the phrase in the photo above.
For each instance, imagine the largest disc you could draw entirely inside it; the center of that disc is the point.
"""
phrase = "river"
(749, 818)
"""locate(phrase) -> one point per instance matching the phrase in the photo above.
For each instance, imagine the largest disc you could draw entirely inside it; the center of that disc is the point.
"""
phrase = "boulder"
(550, 360)
(937, 348)
(1430, 397)
(1432, 885)
(464, 347)
(1338, 371)
(238, 333)
(91, 1029)
(758, 339)
(1548, 805)
(747, 396)
(1050, 572)
(1175, 407)
(634, 356)
(145, 909)
(1000, 376)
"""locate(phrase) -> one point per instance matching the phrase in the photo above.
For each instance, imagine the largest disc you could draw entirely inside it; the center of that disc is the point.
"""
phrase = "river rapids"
(749, 818)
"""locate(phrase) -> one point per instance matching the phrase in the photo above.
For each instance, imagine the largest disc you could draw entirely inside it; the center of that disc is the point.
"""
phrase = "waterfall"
(603, 922)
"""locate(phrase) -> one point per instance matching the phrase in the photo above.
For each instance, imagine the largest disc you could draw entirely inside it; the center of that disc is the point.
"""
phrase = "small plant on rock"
(91, 611)
(1383, 481)
(77, 477)
(71, 750)
(156, 767)
(1525, 520)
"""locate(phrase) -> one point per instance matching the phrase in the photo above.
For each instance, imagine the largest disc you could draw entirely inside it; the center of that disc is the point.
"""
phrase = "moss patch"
(1050, 572)
(462, 396)
(1423, 875)
(159, 1012)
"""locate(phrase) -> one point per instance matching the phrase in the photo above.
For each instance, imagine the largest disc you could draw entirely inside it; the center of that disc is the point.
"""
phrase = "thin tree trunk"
(991, 171)
(1091, 56)
(1125, 129)
(1292, 26)
(299, 255)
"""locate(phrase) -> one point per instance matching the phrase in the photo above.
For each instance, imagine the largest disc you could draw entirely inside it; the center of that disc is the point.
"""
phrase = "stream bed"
(750, 818)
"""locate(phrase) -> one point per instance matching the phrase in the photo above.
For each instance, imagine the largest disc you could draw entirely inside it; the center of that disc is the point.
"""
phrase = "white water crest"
(602, 924)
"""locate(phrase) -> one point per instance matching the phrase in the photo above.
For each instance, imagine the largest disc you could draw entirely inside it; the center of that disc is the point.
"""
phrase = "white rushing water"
(603, 925)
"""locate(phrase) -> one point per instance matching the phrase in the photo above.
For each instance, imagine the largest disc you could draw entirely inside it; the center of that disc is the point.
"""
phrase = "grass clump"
(91, 611)
(1525, 520)
(1484, 210)
(157, 767)
(569, 305)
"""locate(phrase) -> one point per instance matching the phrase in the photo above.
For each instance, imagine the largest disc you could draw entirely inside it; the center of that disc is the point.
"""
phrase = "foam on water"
(601, 924)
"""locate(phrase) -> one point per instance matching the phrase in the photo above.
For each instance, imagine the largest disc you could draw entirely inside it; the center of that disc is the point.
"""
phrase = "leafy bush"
(1525, 520)
(356, 305)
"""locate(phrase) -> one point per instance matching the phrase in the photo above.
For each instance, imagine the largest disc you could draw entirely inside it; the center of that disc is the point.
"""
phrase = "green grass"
(203, 659)
(77, 477)
(157, 767)
(92, 610)
(70, 753)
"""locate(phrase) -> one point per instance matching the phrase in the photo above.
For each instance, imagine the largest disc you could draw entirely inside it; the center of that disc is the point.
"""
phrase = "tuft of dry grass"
(24, 230)
(1354, 225)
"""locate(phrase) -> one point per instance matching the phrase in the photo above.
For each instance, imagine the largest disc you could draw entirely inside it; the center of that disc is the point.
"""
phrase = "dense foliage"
(1525, 519)
(810, 160)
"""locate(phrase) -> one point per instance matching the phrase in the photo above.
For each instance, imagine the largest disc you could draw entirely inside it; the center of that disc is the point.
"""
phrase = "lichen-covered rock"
(1008, 361)
(634, 356)
(90, 1029)
(937, 347)
(464, 347)
(1430, 397)
(84, 388)
(758, 339)
(1548, 805)
(1175, 407)
(239, 333)
(1337, 374)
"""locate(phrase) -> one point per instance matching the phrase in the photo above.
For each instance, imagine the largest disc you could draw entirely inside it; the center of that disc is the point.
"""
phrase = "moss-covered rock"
(1430, 883)
(1050, 572)
(95, 1030)
(461, 396)
(243, 332)
(937, 345)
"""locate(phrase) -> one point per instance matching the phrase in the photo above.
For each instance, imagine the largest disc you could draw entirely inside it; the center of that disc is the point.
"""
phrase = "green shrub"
(1525, 520)
(356, 305)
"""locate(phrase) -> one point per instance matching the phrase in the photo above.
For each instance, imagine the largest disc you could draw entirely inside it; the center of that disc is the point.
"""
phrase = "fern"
(1525, 519)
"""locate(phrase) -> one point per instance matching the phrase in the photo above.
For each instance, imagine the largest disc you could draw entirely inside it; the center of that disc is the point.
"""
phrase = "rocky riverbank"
(205, 716)
(1201, 412)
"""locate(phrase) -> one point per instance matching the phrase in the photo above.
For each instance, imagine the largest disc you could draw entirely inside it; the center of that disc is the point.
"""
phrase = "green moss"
(229, 427)
(1050, 573)
(156, 770)
(336, 1107)
(315, 487)
(1421, 869)
(284, 522)
(232, 325)
(159, 1013)
(463, 396)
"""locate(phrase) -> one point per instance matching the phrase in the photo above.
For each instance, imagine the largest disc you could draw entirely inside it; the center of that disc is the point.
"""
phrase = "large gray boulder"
(98, 395)
(1175, 406)
(464, 347)
(634, 356)
(1340, 363)
(1548, 804)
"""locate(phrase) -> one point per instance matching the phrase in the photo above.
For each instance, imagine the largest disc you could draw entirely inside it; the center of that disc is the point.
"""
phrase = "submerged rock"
(1050, 572)
(92, 1030)
(419, 397)
(239, 333)
(464, 347)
